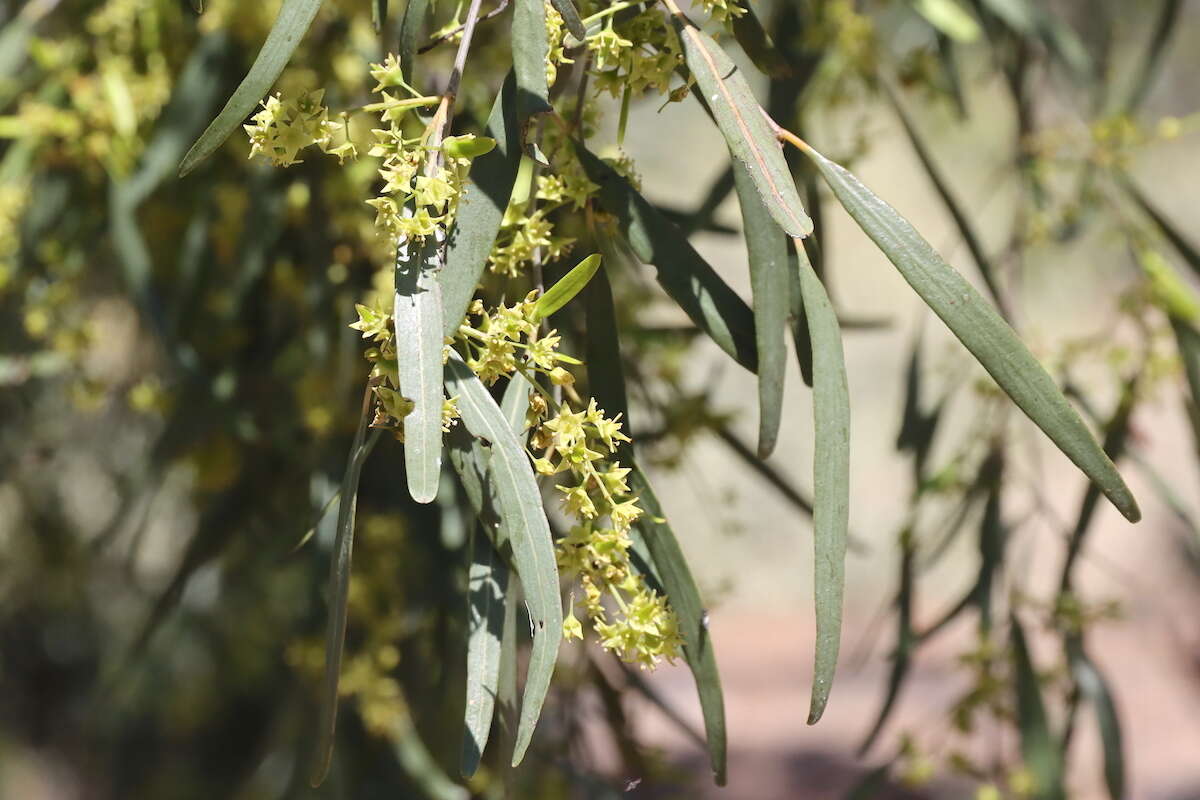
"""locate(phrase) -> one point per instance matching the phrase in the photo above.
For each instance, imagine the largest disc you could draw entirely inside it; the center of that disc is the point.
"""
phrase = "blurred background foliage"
(178, 389)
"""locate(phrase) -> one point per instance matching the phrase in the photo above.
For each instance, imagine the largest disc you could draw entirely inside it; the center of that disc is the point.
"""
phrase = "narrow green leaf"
(487, 586)
(571, 19)
(412, 23)
(980, 328)
(522, 514)
(688, 279)
(831, 481)
(1040, 749)
(530, 51)
(290, 26)
(566, 287)
(684, 596)
(961, 221)
(607, 384)
(767, 250)
(481, 209)
(744, 127)
(1094, 688)
(339, 597)
(418, 319)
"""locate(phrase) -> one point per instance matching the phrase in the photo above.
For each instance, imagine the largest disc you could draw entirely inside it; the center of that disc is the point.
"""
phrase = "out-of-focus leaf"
(681, 589)
(872, 784)
(906, 640)
(487, 586)
(1116, 433)
(961, 221)
(571, 19)
(412, 21)
(948, 59)
(290, 26)
(481, 210)
(756, 42)
(415, 759)
(530, 52)
(767, 250)
(1150, 63)
(1168, 290)
(522, 514)
(744, 127)
(949, 18)
(1094, 688)
(743, 451)
(1040, 749)
(689, 280)
(418, 318)
(566, 287)
(1034, 18)
(831, 481)
(702, 218)
(980, 328)
(379, 10)
(1170, 232)
(339, 596)
(669, 566)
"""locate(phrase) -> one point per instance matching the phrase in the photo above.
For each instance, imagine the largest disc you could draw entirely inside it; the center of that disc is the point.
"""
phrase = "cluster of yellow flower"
(285, 127)
(421, 186)
(506, 342)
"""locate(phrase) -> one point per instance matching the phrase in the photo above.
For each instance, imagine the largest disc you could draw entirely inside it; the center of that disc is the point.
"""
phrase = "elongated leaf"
(831, 481)
(1039, 747)
(412, 22)
(487, 586)
(481, 209)
(980, 328)
(566, 287)
(767, 250)
(688, 279)
(669, 566)
(339, 597)
(744, 127)
(1150, 63)
(684, 596)
(1094, 688)
(530, 51)
(418, 318)
(965, 229)
(570, 16)
(290, 26)
(522, 514)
